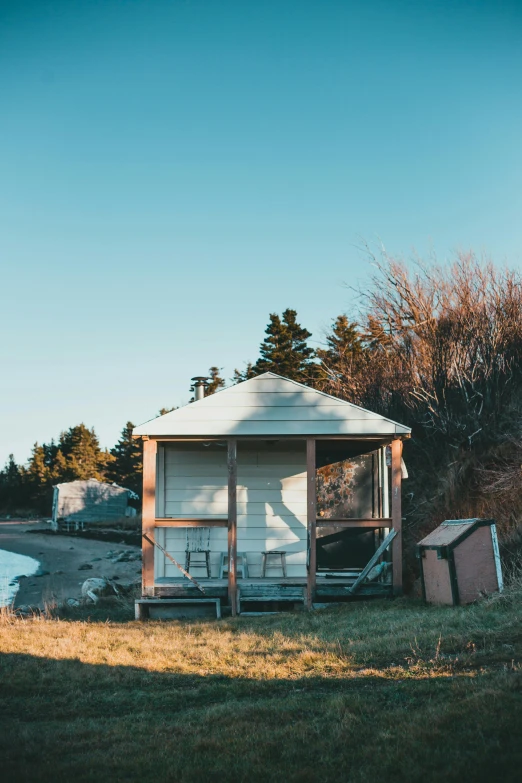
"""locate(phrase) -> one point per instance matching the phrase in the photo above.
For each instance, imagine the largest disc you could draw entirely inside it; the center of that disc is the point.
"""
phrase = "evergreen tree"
(216, 382)
(244, 375)
(11, 486)
(38, 479)
(38, 471)
(344, 342)
(344, 357)
(285, 351)
(126, 469)
(81, 455)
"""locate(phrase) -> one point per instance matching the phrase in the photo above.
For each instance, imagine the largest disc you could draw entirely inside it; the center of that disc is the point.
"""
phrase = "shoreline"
(60, 574)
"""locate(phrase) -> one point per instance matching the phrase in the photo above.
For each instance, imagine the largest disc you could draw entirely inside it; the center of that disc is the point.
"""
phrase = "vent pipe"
(199, 383)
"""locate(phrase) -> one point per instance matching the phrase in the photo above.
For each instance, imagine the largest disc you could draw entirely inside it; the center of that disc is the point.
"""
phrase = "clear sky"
(172, 171)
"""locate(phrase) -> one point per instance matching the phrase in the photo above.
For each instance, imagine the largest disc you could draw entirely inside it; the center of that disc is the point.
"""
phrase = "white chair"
(241, 565)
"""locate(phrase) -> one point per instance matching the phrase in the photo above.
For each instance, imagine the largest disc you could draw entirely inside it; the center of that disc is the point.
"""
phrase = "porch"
(272, 467)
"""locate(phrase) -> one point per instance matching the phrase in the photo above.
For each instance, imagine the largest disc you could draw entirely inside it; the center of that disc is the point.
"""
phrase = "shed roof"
(81, 485)
(451, 530)
(270, 405)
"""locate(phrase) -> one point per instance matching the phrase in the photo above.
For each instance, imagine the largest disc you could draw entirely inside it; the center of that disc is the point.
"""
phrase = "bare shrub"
(443, 354)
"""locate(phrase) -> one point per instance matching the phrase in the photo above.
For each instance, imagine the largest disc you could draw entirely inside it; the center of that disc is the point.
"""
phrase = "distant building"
(79, 503)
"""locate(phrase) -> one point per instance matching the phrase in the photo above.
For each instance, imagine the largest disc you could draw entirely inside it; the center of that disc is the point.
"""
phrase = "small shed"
(459, 561)
(77, 503)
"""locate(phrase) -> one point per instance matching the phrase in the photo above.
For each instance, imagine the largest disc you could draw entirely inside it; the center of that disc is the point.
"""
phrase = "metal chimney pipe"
(199, 383)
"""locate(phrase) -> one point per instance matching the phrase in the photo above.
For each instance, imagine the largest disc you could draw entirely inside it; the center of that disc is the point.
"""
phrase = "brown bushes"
(442, 352)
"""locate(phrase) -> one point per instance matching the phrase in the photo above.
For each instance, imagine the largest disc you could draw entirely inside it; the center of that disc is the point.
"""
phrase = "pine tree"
(163, 411)
(285, 351)
(244, 375)
(126, 469)
(38, 471)
(11, 486)
(38, 480)
(216, 382)
(83, 456)
(344, 342)
(343, 359)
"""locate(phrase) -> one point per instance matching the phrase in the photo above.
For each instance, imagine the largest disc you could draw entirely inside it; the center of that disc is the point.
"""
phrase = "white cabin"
(242, 465)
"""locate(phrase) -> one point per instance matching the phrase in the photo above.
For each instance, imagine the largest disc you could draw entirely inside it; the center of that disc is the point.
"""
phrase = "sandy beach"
(61, 558)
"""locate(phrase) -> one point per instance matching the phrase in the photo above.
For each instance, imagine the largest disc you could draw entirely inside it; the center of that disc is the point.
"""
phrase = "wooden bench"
(142, 607)
(270, 593)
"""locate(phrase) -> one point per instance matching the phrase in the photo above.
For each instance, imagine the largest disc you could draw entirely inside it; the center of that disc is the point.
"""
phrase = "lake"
(11, 566)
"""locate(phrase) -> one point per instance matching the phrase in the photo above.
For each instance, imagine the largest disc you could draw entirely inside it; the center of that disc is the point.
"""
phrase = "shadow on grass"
(65, 720)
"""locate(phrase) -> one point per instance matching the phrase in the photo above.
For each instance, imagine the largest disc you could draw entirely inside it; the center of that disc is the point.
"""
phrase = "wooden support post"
(396, 514)
(148, 514)
(376, 511)
(232, 525)
(311, 506)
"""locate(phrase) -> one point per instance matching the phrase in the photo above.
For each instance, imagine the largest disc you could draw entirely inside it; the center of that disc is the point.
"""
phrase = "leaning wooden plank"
(368, 567)
(150, 538)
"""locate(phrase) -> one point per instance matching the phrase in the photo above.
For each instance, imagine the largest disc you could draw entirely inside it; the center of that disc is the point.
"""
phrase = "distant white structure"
(77, 503)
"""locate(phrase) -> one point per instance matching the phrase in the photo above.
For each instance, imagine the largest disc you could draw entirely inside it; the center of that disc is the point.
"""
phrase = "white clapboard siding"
(199, 470)
(254, 483)
(201, 508)
(271, 502)
(267, 521)
(201, 479)
(191, 455)
(270, 405)
(244, 495)
(176, 537)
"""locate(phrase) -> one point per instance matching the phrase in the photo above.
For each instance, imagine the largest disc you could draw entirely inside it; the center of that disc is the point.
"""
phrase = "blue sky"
(172, 171)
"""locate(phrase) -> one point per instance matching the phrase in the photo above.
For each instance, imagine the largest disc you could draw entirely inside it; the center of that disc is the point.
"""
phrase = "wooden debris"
(368, 567)
(150, 538)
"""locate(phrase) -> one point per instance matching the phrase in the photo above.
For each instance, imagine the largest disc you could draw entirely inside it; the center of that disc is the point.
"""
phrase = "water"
(11, 566)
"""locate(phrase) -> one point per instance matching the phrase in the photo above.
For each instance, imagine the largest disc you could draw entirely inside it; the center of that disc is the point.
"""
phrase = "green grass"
(387, 691)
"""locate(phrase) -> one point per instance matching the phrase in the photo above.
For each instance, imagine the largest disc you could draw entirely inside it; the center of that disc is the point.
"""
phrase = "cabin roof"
(270, 405)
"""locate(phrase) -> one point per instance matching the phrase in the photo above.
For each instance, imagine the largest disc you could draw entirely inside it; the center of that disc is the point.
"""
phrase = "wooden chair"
(281, 554)
(197, 550)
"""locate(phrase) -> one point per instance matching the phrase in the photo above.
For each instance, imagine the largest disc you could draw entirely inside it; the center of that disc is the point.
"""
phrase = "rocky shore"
(66, 562)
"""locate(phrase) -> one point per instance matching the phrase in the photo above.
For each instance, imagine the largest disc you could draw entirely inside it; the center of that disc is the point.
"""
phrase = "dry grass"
(371, 691)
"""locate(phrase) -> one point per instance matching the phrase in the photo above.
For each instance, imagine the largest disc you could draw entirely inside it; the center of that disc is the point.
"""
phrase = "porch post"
(311, 506)
(232, 525)
(396, 513)
(148, 514)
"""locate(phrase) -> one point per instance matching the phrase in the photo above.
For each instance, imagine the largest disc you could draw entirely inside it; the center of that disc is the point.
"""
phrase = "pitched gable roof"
(270, 405)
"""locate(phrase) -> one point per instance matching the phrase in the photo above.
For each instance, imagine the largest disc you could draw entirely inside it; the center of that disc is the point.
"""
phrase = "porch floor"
(333, 587)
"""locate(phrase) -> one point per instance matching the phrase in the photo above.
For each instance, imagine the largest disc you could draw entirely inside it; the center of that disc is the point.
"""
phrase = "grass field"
(382, 691)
